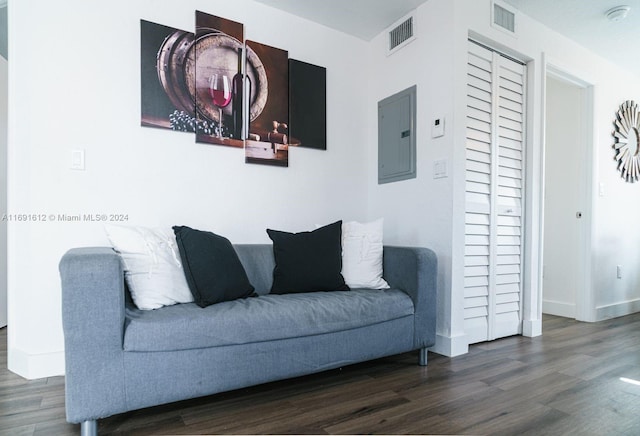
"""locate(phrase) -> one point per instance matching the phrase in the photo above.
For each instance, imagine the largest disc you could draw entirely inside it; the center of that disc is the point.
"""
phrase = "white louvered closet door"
(494, 195)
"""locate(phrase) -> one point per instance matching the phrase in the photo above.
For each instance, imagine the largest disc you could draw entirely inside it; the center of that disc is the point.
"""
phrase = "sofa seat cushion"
(257, 319)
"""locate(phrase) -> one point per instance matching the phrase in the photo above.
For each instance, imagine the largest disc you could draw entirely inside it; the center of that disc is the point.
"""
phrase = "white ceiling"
(362, 18)
(584, 21)
(581, 20)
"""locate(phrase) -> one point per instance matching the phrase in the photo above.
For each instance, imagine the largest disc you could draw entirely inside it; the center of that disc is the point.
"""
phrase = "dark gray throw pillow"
(308, 261)
(211, 265)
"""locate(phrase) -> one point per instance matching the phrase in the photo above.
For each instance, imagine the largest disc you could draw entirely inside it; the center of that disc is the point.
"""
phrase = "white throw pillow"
(362, 254)
(152, 266)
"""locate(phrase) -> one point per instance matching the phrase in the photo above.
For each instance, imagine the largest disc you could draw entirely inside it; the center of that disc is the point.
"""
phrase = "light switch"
(77, 159)
(437, 128)
(440, 169)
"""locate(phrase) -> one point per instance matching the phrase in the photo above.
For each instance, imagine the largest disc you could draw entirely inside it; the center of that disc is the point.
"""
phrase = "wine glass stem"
(220, 123)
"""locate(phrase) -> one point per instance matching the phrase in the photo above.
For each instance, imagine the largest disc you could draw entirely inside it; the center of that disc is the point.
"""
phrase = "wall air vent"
(504, 18)
(401, 35)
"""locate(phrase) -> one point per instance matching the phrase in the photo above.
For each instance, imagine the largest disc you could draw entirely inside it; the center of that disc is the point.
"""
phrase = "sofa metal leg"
(89, 428)
(423, 357)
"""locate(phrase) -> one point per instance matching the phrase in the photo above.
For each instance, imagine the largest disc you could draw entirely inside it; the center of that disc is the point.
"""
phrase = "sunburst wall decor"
(627, 145)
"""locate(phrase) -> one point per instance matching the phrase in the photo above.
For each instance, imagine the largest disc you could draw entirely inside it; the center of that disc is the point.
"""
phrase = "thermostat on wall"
(437, 128)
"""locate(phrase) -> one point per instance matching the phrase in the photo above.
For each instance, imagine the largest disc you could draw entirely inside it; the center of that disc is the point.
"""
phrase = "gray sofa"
(119, 358)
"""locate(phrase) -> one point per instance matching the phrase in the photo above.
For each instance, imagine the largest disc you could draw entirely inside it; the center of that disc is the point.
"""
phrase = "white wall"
(617, 234)
(418, 212)
(85, 94)
(4, 78)
(430, 212)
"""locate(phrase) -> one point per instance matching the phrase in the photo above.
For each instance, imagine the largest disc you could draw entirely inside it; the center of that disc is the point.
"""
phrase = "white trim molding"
(617, 309)
(451, 346)
(35, 366)
(532, 328)
(559, 308)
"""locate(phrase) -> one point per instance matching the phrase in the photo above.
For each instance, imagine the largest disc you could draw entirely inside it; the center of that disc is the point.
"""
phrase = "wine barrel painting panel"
(215, 75)
(268, 140)
(165, 98)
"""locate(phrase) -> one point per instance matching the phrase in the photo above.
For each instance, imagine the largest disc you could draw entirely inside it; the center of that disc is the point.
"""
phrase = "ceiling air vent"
(401, 35)
(504, 18)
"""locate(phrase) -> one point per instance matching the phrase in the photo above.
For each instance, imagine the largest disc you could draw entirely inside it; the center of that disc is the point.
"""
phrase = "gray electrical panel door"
(397, 137)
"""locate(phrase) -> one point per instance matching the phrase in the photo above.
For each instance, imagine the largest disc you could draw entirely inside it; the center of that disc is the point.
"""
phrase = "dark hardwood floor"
(576, 379)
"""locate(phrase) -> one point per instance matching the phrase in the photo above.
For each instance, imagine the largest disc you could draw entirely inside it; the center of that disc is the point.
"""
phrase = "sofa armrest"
(414, 270)
(93, 314)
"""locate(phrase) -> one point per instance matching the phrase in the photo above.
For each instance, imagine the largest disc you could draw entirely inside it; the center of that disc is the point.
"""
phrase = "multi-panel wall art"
(229, 91)
(166, 99)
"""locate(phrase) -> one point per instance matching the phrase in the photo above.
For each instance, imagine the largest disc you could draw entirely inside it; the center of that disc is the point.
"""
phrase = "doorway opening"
(568, 158)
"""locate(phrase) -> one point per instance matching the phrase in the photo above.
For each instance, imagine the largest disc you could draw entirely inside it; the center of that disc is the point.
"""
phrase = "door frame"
(585, 307)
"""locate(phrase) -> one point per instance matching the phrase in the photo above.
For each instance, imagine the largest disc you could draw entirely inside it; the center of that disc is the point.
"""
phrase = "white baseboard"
(34, 366)
(532, 328)
(617, 309)
(450, 346)
(559, 308)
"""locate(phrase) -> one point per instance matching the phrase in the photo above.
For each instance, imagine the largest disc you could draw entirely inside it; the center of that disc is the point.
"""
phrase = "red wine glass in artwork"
(220, 92)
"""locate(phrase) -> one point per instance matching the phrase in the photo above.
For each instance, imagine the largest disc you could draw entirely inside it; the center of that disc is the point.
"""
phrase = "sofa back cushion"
(258, 262)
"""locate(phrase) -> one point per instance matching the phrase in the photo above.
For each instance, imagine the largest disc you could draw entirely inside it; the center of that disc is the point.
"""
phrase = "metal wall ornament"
(627, 145)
